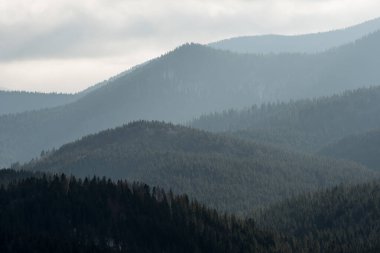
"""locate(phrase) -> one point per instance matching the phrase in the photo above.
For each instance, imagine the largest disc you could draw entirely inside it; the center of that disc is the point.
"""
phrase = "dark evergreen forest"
(64, 214)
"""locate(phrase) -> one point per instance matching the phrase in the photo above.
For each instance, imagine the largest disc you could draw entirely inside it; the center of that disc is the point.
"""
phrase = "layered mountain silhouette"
(188, 82)
(307, 43)
(278, 151)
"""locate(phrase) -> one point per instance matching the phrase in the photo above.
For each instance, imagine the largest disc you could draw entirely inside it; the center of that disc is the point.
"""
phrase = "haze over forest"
(253, 134)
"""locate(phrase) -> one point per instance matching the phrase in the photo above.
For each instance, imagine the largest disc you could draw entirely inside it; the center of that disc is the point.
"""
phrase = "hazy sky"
(68, 45)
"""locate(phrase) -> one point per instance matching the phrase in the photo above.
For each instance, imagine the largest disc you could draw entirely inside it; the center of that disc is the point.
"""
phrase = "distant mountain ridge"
(305, 125)
(12, 102)
(20, 101)
(307, 43)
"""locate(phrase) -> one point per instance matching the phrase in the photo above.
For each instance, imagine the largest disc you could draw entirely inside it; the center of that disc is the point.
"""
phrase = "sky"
(69, 45)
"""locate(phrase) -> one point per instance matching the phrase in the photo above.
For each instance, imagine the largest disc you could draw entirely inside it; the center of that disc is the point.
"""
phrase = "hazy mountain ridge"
(307, 43)
(21, 101)
(305, 125)
(12, 102)
(226, 173)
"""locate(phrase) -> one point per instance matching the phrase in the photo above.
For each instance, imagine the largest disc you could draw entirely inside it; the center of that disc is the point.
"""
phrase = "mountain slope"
(305, 125)
(63, 214)
(342, 219)
(308, 43)
(361, 148)
(223, 172)
(186, 83)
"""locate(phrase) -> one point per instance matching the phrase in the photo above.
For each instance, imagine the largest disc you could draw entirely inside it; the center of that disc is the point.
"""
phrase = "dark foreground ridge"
(64, 214)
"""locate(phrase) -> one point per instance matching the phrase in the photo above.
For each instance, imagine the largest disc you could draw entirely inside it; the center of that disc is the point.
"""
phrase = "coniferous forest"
(253, 144)
(65, 214)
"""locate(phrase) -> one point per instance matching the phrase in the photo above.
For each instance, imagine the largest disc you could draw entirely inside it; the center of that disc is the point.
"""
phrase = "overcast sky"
(68, 45)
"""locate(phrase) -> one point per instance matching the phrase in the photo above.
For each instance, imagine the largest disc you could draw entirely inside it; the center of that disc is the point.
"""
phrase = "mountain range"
(266, 44)
(186, 83)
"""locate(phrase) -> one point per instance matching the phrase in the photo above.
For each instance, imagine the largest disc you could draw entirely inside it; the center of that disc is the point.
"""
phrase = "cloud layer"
(67, 45)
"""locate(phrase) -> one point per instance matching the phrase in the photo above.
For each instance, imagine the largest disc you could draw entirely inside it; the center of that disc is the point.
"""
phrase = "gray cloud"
(122, 33)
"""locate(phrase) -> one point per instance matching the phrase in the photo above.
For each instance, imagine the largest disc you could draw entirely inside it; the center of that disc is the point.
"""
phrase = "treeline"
(305, 125)
(226, 173)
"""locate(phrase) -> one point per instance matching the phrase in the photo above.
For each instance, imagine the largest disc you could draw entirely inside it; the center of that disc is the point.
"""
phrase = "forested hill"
(307, 43)
(20, 101)
(63, 214)
(362, 148)
(305, 125)
(188, 82)
(342, 219)
(223, 172)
